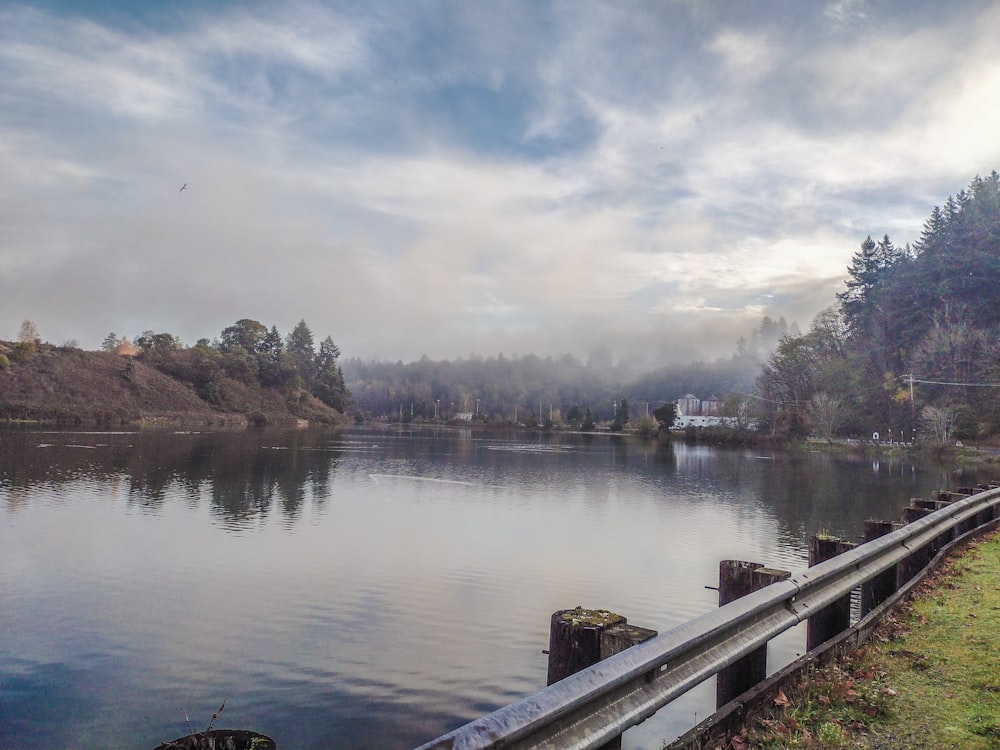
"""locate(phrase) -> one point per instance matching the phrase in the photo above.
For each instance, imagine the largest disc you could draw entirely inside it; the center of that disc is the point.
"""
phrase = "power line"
(911, 379)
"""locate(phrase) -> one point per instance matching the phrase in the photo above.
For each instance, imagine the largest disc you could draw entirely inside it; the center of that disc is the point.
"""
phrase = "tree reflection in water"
(244, 473)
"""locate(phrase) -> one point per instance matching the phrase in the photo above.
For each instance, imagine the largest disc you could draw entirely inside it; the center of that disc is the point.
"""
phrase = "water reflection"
(247, 476)
(243, 474)
(367, 588)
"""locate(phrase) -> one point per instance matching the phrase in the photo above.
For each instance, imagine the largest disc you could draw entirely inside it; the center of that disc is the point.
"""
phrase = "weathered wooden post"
(915, 512)
(916, 560)
(885, 584)
(835, 617)
(986, 514)
(738, 578)
(581, 637)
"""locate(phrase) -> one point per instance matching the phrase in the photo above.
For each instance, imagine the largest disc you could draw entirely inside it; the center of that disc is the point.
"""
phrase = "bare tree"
(825, 415)
(935, 424)
(29, 333)
(737, 409)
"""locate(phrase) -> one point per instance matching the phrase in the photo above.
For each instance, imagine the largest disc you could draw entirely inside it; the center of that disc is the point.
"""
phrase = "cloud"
(454, 178)
(744, 56)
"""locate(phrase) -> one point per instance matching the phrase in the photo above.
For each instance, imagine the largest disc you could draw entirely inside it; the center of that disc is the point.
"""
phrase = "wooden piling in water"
(914, 513)
(737, 578)
(579, 638)
(835, 617)
(886, 583)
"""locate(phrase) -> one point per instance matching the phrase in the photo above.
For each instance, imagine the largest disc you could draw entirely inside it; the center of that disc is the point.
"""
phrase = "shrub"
(646, 426)
(128, 372)
(23, 351)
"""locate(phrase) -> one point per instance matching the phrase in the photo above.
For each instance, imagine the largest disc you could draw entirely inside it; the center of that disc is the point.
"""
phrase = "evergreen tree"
(271, 358)
(329, 384)
(869, 271)
(665, 415)
(301, 351)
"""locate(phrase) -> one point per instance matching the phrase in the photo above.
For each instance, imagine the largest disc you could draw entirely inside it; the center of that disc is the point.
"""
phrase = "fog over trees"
(911, 345)
(531, 389)
(911, 342)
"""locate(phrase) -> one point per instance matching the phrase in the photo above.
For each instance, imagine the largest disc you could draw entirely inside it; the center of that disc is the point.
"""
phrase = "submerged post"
(738, 578)
(886, 583)
(581, 637)
(835, 617)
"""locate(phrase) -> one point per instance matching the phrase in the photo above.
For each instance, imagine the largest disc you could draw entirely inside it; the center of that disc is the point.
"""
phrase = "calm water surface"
(368, 589)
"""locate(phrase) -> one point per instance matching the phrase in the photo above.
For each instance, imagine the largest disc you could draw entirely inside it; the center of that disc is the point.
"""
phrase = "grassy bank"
(929, 679)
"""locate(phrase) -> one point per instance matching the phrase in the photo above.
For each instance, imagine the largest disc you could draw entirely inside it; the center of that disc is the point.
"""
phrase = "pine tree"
(301, 351)
(329, 383)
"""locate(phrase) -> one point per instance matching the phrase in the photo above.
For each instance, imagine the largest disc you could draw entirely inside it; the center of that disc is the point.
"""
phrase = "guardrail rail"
(596, 705)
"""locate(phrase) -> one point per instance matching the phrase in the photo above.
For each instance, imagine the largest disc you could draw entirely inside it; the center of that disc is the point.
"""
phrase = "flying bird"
(182, 187)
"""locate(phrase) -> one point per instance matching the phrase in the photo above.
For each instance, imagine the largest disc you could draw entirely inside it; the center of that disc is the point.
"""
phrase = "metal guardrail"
(597, 704)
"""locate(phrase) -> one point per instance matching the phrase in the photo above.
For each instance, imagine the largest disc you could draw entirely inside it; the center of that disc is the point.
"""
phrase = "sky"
(452, 178)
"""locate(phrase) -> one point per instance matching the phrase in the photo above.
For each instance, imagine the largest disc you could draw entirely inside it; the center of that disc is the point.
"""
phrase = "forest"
(909, 346)
(558, 390)
(909, 349)
(247, 352)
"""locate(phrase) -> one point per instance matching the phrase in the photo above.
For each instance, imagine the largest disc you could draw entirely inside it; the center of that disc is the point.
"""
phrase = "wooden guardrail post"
(581, 637)
(738, 578)
(836, 617)
(986, 514)
(915, 512)
(886, 583)
(908, 567)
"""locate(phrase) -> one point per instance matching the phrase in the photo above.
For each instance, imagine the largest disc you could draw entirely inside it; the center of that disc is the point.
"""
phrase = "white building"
(688, 406)
(683, 420)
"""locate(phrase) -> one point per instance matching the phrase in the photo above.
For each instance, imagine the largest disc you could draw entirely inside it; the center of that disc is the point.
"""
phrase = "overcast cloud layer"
(447, 178)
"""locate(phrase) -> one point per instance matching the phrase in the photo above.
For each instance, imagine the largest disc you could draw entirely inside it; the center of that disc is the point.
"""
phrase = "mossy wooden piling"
(580, 637)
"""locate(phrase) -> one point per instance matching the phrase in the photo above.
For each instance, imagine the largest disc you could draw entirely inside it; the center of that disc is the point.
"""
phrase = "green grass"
(930, 678)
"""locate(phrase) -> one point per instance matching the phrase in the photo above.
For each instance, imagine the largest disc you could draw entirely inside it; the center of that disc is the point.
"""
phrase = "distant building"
(699, 421)
(693, 412)
(710, 406)
(688, 406)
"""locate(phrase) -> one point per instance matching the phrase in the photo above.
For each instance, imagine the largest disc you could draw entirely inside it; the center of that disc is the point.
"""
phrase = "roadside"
(929, 678)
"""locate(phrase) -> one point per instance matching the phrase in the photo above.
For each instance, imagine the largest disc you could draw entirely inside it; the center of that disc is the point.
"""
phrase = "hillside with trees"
(251, 374)
(910, 347)
(911, 344)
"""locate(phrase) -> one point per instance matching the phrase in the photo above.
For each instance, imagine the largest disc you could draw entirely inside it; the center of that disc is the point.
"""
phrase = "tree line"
(911, 344)
(248, 352)
(561, 390)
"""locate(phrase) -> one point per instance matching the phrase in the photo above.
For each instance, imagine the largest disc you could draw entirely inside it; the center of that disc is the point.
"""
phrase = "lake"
(370, 588)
